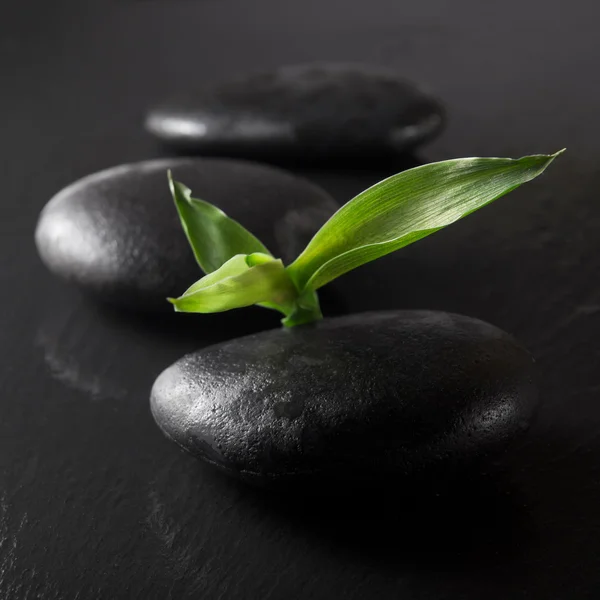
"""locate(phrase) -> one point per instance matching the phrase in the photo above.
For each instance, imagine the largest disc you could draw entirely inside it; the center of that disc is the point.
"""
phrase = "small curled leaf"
(242, 281)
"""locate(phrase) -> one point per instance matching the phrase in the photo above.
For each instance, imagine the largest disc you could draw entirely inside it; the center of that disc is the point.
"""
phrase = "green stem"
(306, 310)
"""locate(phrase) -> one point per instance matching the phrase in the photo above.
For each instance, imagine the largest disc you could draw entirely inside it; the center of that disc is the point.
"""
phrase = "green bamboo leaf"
(213, 236)
(405, 208)
(241, 281)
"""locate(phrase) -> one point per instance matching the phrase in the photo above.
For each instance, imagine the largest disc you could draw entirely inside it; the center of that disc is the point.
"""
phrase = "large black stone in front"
(309, 112)
(350, 399)
(117, 235)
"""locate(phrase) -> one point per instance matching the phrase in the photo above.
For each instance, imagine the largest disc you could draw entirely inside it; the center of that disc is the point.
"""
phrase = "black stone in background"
(117, 234)
(314, 113)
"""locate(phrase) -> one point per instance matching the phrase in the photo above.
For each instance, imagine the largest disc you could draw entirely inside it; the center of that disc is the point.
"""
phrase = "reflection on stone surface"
(109, 354)
(65, 367)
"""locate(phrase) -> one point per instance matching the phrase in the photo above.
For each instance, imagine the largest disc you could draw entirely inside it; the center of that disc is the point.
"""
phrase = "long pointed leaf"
(213, 236)
(405, 208)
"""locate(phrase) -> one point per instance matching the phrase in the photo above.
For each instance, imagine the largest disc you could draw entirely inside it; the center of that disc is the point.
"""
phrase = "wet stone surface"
(350, 399)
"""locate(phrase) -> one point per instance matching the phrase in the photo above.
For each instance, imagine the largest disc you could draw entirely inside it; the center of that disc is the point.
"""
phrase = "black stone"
(116, 233)
(315, 112)
(352, 399)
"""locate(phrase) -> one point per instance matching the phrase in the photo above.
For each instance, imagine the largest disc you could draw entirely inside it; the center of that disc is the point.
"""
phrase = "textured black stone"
(351, 399)
(316, 111)
(116, 233)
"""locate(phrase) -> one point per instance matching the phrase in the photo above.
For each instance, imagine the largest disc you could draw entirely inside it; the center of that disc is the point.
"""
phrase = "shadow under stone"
(367, 160)
(453, 520)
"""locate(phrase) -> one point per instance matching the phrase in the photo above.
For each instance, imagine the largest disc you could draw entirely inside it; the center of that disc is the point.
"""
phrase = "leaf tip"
(543, 161)
(170, 180)
(551, 157)
(179, 191)
(174, 302)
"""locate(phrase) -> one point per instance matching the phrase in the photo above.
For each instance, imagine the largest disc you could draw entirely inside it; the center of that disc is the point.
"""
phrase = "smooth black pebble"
(316, 112)
(117, 234)
(349, 400)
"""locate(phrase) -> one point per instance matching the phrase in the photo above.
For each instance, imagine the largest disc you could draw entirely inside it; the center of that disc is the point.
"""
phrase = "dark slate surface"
(95, 503)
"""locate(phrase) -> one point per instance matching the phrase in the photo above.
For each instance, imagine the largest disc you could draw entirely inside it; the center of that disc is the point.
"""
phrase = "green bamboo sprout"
(398, 211)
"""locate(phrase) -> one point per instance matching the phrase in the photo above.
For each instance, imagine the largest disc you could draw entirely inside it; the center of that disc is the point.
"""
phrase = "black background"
(95, 503)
